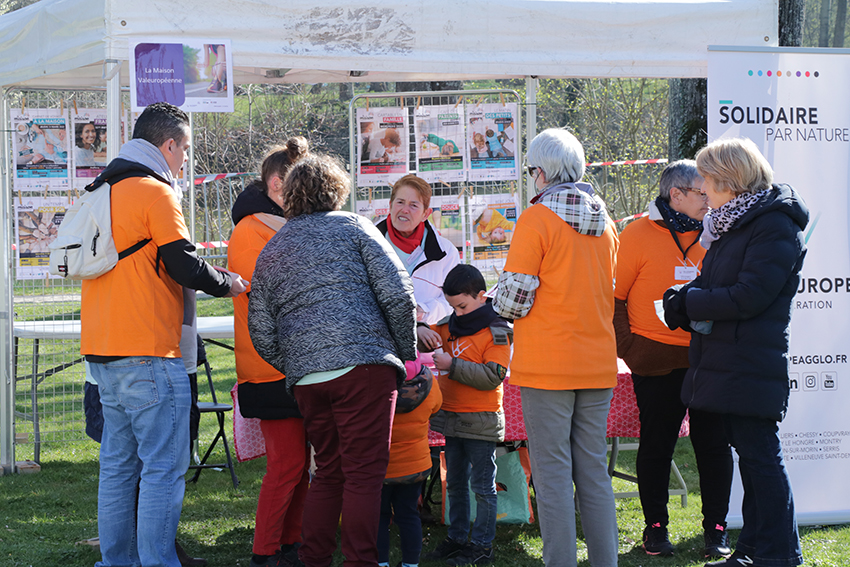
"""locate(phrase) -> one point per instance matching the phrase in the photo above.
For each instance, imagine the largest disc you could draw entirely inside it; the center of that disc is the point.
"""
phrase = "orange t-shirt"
(131, 310)
(646, 268)
(247, 241)
(409, 451)
(478, 348)
(567, 341)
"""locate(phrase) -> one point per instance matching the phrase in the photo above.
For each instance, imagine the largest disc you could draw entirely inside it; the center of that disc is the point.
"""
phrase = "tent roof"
(63, 43)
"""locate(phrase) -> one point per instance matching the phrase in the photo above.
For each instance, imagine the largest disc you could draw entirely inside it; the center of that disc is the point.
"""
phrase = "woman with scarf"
(427, 256)
(257, 216)
(655, 253)
(558, 286)
(738, 311)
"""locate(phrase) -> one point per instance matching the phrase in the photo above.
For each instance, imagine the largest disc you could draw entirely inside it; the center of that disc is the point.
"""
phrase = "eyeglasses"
(691, 189)
(531, 170)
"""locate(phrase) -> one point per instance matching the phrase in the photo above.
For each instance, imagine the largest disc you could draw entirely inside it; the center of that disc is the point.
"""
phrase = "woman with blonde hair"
(738, 311)
(332, 308)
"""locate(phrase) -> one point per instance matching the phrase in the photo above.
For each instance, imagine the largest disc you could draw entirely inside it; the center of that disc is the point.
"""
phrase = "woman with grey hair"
(332, 308)
(656, 252)
(738, 311)
(558, 286)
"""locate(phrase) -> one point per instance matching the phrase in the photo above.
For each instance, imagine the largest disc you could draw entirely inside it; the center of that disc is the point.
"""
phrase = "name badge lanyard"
(684, 251)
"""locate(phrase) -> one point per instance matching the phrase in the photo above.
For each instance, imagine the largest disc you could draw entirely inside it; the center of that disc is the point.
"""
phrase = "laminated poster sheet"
(89, 151)
(449, 218)
(36, 224)
(491, 142)
(382, 144)
(493, 220)
(439, 143)
(375, 210)
(40, 148)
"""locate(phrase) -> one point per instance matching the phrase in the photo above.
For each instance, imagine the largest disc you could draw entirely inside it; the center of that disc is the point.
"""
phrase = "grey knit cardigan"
(329, 292)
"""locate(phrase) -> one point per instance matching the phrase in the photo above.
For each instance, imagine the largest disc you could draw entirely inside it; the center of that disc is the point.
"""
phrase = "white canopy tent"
(68, 44)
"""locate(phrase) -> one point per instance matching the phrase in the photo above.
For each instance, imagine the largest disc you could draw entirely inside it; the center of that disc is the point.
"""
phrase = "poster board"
(195, 74)
(439, 136)
(793, 105)
(382, 145)
(491, 140)
(40, 148)
(492, 221)
(36, 224)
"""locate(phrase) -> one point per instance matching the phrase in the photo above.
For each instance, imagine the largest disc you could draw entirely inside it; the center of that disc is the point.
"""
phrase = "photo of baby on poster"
(382, 144)
(493, 220)
(491, 141)
(40, 148)
(439, 143)
(37, 221)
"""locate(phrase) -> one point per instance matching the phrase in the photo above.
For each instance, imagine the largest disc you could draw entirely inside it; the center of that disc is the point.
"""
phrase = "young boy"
(471, 418)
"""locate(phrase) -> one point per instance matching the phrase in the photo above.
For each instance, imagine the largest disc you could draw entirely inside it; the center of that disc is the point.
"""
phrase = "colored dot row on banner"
(761, 73)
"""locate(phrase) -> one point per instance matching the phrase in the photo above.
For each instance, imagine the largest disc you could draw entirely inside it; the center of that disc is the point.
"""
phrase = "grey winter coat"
(329, 292)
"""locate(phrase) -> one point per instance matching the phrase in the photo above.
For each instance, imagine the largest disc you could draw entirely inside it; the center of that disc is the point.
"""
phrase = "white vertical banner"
(793, 104)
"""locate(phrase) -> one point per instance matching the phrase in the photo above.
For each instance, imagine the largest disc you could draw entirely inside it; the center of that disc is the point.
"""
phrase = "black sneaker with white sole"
(716, 543)
(446, 549)
(473, 555)
(738, 559)
(656, 541)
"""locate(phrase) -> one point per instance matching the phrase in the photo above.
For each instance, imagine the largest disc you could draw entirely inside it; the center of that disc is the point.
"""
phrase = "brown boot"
(186, 560)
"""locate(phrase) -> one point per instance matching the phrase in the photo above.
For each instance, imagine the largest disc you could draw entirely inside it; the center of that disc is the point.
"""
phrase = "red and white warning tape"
(216, 176)
(628, 162)
(213, 244)
(632, 217)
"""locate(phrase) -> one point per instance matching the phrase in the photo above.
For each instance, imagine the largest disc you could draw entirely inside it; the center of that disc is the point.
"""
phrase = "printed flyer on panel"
(89, 127)
(449, 218)
(40, 148)
(37, 220)
(381, 145)
(491, 142)
(793, 105)
(375, 210)
(196, 74)
(493, 220)
(439, 143)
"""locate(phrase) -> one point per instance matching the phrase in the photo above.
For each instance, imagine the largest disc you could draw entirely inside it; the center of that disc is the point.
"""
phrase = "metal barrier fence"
(47, 368)
(466, 195)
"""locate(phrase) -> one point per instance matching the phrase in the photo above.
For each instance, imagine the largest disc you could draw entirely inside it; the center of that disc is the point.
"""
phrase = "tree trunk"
(346, 91)
(840, 23)
(823, 37)
(791, 22)
(688, 119)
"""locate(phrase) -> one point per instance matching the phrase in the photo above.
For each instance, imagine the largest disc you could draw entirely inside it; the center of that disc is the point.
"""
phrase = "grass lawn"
(42, 515)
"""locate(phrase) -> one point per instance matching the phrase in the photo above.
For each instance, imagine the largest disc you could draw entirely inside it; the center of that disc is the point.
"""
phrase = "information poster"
(36, 224)
(491, 142)
(89, 153)
(439, 143)
(493, 219)
(40, 148)
(382, 145)
(793, 105)
(375, 210)
(195, 74)
(449, 218)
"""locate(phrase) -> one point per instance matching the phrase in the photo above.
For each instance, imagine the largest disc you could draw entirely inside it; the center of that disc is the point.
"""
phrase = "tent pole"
(113, 108)
(7, 379)
(531, 83)
(189, 178)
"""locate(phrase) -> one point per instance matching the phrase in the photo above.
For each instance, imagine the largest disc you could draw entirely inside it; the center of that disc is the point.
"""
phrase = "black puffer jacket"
(749, 277)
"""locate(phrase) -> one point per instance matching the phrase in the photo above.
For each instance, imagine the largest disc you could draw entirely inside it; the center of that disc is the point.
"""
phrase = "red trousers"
(348, 422)
(281, 502)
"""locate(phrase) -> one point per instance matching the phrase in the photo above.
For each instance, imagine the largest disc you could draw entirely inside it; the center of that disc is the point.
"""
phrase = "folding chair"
(219, 410)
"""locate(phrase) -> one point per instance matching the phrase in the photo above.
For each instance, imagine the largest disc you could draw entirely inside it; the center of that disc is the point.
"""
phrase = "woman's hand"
(443, 361)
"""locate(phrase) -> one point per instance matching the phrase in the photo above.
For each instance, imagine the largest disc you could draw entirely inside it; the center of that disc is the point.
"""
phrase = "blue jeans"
(769, 535)
(146, 404)
(475, 460)
(399, 503)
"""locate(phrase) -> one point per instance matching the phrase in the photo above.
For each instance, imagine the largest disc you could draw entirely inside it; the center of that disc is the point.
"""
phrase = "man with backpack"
(131, 325)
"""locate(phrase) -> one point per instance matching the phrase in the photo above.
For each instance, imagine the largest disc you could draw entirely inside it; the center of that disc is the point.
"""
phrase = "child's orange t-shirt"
(478, 348)
(647, 265)
(567, 341)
